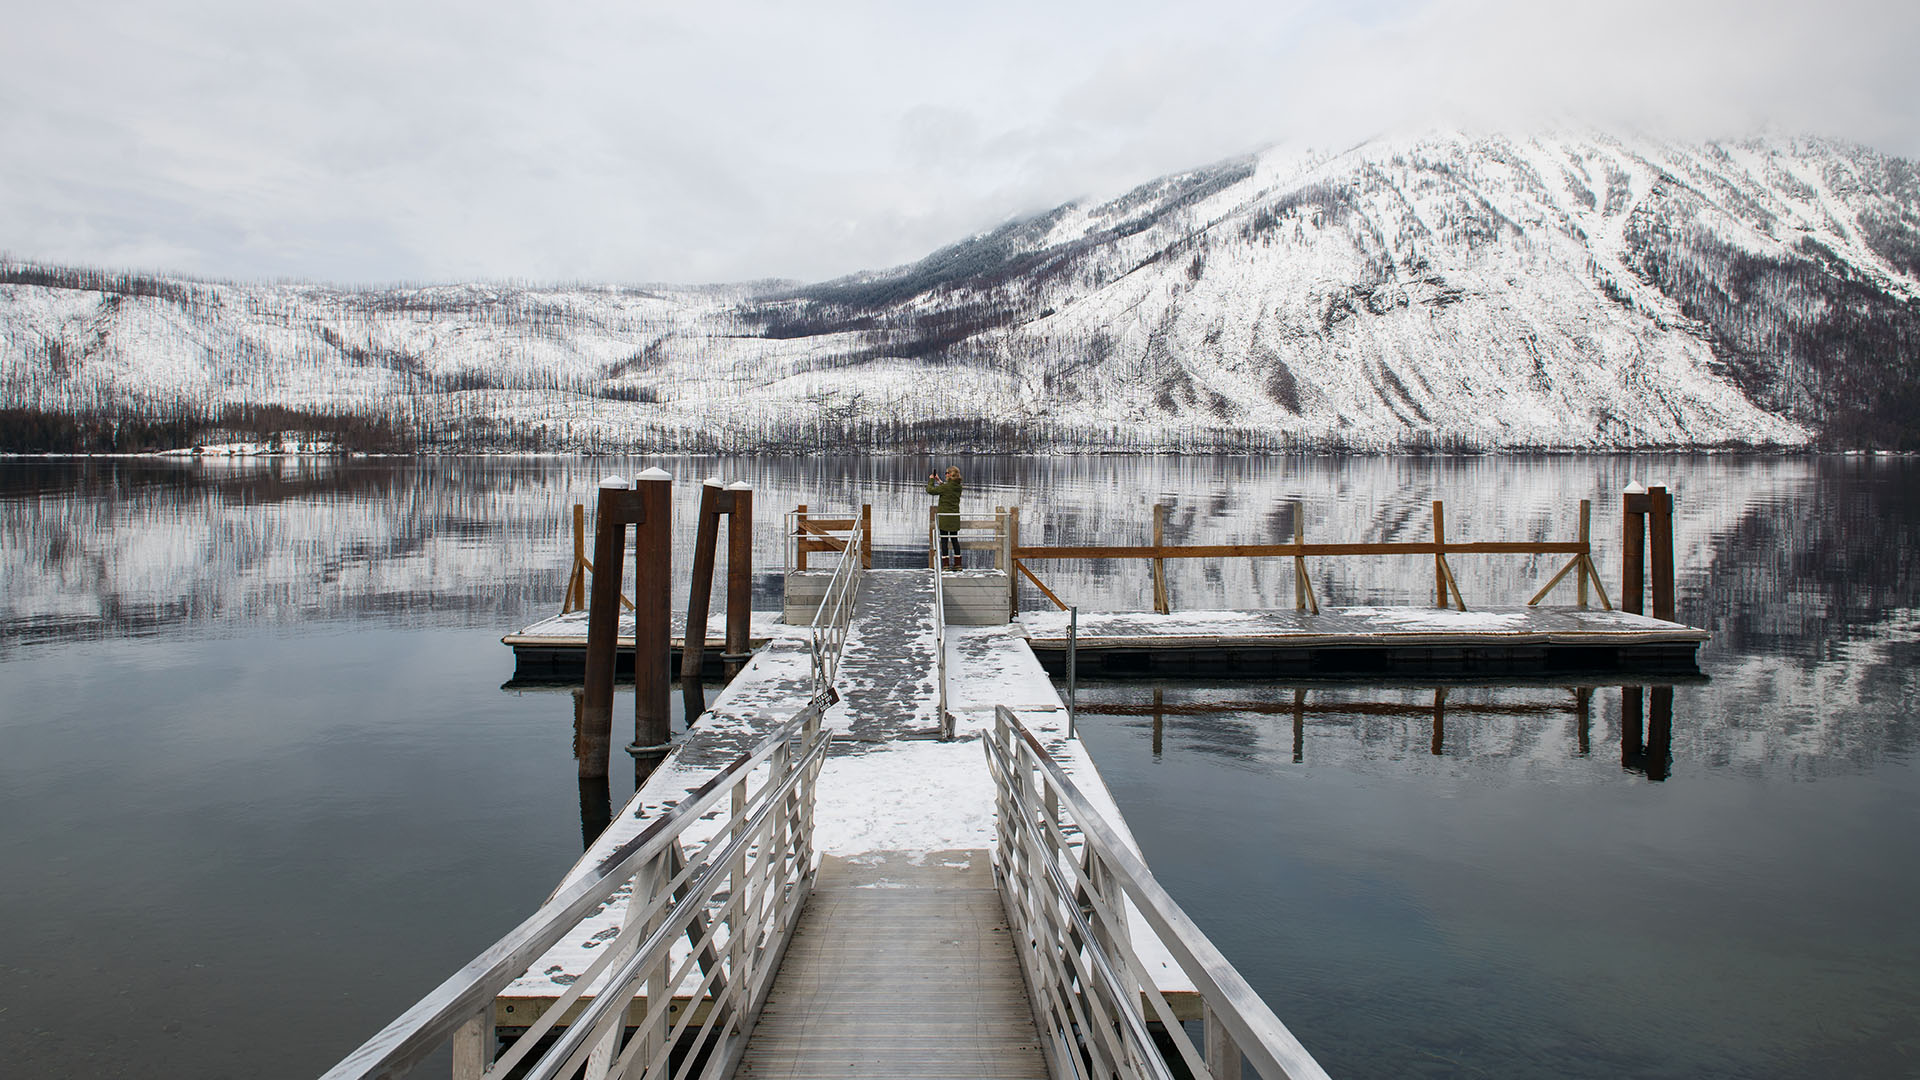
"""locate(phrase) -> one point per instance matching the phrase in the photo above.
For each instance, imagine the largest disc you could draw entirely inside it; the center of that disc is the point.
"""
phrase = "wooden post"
(800, 551)
(619, 506)
(473, 1045)
(693, 645)
(1000, 535)
(1299, 569)
(1439, 558)
(1222, 1056)
(1633, 535)
(1013, 576)
(1160, 601)
(1303, 598)
(577, 580)
(1439, 720)
(739, 577)
(866, 536)
(1586, 540)
(1660, 551)
(652, 627)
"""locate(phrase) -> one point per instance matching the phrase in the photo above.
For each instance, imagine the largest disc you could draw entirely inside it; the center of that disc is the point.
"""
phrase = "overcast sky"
(384, 141)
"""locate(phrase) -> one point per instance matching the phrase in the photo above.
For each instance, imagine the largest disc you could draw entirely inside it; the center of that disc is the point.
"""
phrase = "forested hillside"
(1441, 293)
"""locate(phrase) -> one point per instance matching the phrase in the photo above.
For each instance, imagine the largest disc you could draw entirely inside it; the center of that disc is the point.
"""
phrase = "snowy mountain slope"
(1561, 291)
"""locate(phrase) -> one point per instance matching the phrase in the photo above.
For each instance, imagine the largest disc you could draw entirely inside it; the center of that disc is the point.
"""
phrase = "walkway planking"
(902, 966)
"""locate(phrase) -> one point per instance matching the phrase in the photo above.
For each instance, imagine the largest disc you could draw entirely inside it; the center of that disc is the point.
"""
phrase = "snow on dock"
(555, 649)
(897, 809)
(1367, 639)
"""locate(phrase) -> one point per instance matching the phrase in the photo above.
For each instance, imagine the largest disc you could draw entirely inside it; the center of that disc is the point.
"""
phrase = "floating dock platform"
(1350, 641)
(555, 650)
(1403, 641)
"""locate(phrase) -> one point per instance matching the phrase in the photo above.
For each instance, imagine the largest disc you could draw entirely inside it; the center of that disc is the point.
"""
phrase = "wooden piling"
(1013, 578)
(1660, 551)
(618, 507)
(652, 625)
(1439, 720)
(1439, 559)
(693, 643)
(739, 577)
(1633, 537)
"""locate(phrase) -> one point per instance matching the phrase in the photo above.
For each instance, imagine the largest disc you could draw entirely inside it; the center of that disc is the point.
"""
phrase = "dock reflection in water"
(1219, 717)
(596, 791)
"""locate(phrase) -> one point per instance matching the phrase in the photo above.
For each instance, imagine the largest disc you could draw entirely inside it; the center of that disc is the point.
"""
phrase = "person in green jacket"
(948, 521)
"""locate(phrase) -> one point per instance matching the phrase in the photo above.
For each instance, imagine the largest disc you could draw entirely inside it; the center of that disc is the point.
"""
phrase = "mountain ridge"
(1553, 292)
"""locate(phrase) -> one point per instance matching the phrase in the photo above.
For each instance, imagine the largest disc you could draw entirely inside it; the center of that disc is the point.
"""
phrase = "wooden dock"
(1402, 641)
(555, 649)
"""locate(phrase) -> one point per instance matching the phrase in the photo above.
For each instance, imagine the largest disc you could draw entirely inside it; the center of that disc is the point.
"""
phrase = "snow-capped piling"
(646, 505)
(735, 502)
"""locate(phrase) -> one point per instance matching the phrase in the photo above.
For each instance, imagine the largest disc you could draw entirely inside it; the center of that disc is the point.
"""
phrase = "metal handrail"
(736, 900)
(1069, 882)
(835, 615)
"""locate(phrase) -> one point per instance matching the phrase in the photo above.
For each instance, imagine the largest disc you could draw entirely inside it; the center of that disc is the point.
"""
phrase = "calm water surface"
(261, 784)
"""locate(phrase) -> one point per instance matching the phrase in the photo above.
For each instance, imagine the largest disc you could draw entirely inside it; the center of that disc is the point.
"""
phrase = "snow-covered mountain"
(1567, 291)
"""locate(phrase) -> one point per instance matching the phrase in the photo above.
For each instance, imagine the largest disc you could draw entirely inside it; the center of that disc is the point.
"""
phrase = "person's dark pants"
(950, 549)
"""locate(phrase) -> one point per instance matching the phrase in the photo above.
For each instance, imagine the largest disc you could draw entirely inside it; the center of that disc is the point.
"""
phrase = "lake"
(262, 784)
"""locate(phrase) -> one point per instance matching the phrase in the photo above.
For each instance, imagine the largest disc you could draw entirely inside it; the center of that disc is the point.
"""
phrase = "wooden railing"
(735, 900)
(582, 568)
(807, 535)
(1068, 881)
(1446, 589)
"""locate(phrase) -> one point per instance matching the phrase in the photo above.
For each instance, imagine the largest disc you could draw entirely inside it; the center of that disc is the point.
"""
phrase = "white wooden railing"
(733, 901)
(1068, 881)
